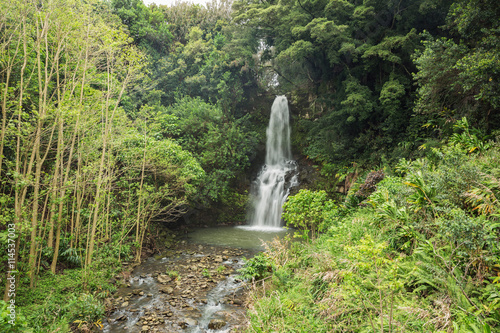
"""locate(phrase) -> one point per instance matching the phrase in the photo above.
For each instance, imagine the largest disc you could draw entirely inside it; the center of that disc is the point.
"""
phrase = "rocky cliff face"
(308, 175)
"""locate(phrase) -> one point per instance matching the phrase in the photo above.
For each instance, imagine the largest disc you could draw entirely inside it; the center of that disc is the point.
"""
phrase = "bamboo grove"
(75, 174)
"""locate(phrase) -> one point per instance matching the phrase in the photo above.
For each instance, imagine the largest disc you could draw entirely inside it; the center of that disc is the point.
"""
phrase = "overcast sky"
(169, 2)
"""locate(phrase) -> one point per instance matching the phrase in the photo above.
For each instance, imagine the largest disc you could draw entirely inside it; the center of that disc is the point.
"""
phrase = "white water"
(271, 188)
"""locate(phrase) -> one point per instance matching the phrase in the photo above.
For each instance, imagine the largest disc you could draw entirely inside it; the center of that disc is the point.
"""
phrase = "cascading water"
(278, 174)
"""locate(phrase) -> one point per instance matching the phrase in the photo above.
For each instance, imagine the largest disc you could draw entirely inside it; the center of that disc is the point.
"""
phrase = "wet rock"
(216, 324)
(145, 328)
(108, 302)
(122, 317)
(167, 290)
(191, 322)
(124, 304)
(162, 278)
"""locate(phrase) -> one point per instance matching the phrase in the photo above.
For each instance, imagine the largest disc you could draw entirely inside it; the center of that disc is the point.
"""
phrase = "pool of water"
(245, 237)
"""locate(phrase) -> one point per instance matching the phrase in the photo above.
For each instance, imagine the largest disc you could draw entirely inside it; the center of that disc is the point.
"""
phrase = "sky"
(169, 2)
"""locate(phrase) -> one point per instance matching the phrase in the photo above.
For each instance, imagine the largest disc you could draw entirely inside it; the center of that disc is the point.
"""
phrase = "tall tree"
(459, 76)
(346, 63)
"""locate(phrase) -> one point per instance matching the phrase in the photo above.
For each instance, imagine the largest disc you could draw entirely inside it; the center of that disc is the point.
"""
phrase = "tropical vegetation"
(118, 119)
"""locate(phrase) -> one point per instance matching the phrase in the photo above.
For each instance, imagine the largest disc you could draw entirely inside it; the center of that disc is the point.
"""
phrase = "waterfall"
(278, 174)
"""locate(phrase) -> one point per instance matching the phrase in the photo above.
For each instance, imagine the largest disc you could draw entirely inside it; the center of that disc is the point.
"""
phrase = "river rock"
(122, 317)
(162, 278)
(191, 322)
(167, 290)
(124, 304)
(108, 302)
(145, 328)
(216, 324)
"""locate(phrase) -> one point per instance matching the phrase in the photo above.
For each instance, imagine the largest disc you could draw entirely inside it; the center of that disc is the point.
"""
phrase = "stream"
(193, 288)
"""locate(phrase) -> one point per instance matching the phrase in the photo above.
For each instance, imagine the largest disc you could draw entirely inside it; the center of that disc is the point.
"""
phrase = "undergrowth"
(420, 253)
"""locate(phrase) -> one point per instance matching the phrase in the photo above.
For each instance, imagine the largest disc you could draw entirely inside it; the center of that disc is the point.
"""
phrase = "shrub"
(85, 310)
(256, 268)
(19, 323)
(306, 211)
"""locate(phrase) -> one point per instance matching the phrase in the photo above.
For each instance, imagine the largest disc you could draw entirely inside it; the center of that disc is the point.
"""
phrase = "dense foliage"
(419, 254)
(114, 118)
(350, 66)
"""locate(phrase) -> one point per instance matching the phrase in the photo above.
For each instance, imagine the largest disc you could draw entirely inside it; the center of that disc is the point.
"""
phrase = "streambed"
(192, 288)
